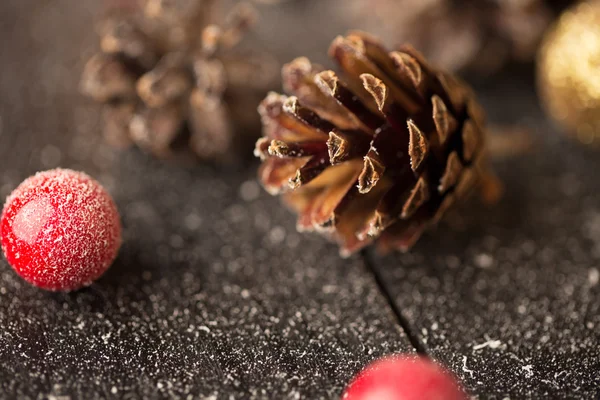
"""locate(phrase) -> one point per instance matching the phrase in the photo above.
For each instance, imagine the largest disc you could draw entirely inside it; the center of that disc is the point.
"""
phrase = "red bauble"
(60, 230)
(404, 378)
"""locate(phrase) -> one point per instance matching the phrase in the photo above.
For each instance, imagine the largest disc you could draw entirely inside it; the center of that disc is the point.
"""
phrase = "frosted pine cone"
(382, 153)
(167, 76)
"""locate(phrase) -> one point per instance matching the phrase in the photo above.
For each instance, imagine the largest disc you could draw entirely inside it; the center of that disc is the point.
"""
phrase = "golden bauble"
(569, 71)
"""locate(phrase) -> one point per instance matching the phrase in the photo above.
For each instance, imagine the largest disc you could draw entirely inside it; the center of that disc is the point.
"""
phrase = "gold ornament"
(569, 72)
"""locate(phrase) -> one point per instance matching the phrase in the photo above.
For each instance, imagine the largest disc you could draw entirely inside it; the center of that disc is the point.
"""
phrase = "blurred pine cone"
(381, 154)
(479, 35)
(168, 76)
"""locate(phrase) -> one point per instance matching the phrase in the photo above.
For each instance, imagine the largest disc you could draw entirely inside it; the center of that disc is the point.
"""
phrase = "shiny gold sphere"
(569, 71)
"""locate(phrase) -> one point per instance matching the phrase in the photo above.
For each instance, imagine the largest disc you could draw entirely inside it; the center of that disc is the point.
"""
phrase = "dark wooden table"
(214, 294)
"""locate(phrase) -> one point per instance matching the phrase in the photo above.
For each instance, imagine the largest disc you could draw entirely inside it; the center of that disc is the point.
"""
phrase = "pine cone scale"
(106, 79)
(277, 172)
(331, 86)
(342, 146)
(285, 125)
(319, 203)
(372, 171)
(166, 83)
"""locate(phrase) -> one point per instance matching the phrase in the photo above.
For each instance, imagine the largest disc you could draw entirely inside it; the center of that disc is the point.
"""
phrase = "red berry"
(60, 230)
(404, 378)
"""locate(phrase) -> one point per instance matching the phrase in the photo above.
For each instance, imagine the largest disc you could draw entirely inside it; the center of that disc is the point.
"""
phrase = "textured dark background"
(214, 295)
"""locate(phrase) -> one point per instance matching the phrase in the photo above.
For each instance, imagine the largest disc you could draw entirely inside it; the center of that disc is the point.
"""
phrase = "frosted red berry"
(404, 378)
(60, 230)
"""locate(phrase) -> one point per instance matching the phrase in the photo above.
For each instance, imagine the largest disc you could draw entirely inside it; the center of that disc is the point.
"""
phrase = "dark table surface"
(214, 294)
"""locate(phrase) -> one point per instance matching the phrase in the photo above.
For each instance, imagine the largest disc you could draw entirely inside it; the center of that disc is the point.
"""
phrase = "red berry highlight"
(404, 378)
(60, 230)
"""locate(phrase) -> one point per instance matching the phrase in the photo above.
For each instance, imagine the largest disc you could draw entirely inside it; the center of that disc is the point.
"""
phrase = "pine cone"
(381, 154)
(479, 35)
(168, 76)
